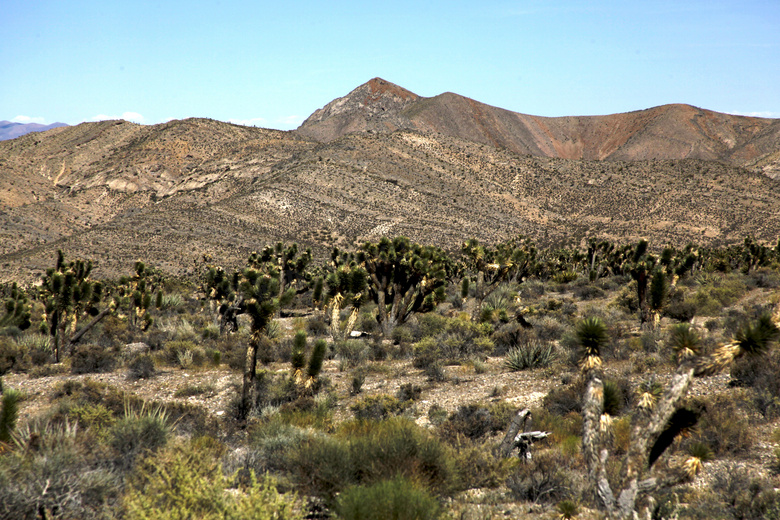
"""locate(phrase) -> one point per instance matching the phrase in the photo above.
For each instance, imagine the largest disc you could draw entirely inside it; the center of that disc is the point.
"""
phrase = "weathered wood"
(518, 422)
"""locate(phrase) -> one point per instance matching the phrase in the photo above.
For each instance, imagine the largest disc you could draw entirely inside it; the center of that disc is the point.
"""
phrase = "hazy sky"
(271, 64)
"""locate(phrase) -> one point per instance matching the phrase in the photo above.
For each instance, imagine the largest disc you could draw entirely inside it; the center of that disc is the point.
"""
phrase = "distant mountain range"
(9, 130)
(664, 132)
(382, 161)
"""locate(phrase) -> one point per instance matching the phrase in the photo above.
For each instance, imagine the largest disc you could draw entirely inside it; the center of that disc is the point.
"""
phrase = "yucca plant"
(534, 354)
(9, 413)
(567, 510)
(685, 341)
(663, 418)
(591, 334)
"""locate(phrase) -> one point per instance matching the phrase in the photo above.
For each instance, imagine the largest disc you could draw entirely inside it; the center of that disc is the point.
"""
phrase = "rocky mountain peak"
(375, 105)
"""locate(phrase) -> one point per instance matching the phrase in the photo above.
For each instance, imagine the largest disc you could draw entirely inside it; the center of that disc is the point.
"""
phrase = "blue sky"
(271, 64)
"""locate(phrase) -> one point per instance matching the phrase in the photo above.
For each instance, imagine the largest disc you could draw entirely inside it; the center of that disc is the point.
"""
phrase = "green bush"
(141, 367)
(88, 359)
(352, 353)
(724, 427)
(474, 421)
(510, 335)
(58, 476)
(534, 354)
(187, 482)
(547, 478)
(367, 452)
(139, 431)
(12, 356)
(388, 500)
(378, 407)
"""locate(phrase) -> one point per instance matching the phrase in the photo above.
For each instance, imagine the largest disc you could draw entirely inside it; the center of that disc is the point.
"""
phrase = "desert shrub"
(564, 399)
(547, 478)
(364, 453)
(587, 291)
(765, 278)
(187, 481)
(717, 293)
(174, 351)
(12, 356)
(38, 346)
(88, 359)
(141, 367)
(138, 432)
(351, 353)
(358, 378)
(724, 426)
(316, 325)
(426, 352)
(510, 335)
(96, 417)
(534, 354)
(429, 324)
(408, 392)
(402, 335)
(193, 390)
(59, 476)
(388, 500)
(547, 328)
(378, 407)
(272, 446)
(679, 306)
(473, 421)
(745, 494)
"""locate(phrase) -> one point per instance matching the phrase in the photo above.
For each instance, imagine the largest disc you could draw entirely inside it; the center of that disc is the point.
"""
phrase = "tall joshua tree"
(346, 285)
(69, 294)
(259, 298)
(404, 278)
(492, 266)
(287, 263)
(660, 417)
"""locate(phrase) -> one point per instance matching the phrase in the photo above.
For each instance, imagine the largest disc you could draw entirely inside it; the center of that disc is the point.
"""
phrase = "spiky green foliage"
(591, 336)
(289, 265)
(533, 354)
(755, 338)
(567, 509)
(685, 341)
(68, 294)
(613, 398)
(9, 413)
(317, 357)
(17, 309)
(658, 290)
(512, 260)
(298, 355)
(404, 277)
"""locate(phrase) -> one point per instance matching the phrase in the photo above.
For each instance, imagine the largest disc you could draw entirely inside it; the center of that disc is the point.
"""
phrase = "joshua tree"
(346, 285)
(258, 296)
(287, 263)
(69, 294)
(404, 278)
(134, 293)
(220, 288)
(509, 261)
(660, 416)
(17, 309)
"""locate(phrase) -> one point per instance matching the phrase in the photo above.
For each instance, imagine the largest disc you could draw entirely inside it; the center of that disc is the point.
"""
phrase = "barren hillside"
(117, 192)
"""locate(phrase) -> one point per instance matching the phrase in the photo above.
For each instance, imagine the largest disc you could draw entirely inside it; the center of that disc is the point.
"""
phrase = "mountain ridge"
(12, 130)
(168, 194)
(674, 131)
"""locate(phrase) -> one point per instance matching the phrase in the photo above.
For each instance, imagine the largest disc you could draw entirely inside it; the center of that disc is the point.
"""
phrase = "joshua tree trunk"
(250, 365)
